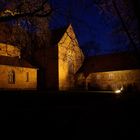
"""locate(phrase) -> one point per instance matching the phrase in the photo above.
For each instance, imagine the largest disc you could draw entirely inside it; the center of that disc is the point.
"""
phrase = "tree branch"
(35, 13)
(125, 29)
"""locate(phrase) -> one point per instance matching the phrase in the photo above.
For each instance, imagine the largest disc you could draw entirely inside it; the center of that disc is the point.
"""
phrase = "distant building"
(109, 72)
(15, 73)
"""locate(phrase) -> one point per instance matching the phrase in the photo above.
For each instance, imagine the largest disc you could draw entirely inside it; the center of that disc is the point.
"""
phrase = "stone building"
(59, 63)
(109, 72)
(64, 59)
(15, 73)
(70, 59)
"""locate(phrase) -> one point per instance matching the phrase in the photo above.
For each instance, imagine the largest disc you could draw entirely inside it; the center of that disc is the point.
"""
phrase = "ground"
(75, 112)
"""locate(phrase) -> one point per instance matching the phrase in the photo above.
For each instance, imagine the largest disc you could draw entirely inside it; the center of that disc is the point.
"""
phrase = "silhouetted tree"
(27, 8)
(27, 23)
(124, 11)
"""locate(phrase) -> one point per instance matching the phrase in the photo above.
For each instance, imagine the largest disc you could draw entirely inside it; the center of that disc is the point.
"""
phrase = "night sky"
(90, 25)
(94, 30)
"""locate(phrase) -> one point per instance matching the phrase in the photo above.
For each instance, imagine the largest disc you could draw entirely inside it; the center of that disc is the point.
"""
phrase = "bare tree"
(26, 8)
(124, 11)
(28, 25)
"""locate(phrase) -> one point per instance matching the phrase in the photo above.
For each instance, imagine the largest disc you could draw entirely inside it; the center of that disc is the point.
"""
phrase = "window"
(27, 76)
(11, 77)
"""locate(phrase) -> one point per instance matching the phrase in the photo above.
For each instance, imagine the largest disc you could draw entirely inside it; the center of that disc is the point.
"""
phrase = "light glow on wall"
(70, 58)
(119, 90)
(114, 80)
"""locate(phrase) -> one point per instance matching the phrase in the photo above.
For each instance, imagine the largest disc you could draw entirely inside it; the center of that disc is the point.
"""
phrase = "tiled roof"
(110, 62)
(14, 61)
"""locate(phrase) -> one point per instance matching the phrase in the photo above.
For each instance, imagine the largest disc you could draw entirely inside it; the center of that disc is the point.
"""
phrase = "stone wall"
(114, 80)
(70, 59)
(24, 78)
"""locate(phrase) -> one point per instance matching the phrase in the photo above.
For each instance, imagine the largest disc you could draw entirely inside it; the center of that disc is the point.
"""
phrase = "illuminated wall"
(12, 77)
(114, 80)
(24, 78)
(9, 50)
(70, 59)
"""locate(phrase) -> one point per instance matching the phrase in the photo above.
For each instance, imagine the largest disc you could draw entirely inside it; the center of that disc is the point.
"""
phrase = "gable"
(68, 35)
(70, 59)
(69, 50)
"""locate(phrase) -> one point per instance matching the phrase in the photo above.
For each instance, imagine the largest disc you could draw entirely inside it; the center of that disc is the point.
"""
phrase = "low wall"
(113, 80)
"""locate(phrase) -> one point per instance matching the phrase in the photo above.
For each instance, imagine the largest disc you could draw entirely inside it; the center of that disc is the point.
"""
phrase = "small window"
(11, 77)
(27, 76)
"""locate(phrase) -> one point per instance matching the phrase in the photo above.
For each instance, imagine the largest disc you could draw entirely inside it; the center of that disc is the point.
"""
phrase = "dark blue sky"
(94, 30)
(90, 26)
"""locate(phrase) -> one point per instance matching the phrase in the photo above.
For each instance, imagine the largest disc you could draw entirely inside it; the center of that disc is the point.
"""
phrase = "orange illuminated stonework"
(59, 63)
(114, 80)
(15, 73)
(70, 59)
(109, 72)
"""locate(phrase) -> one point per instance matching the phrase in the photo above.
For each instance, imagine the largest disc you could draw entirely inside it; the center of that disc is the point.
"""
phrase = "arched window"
(11, 77)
